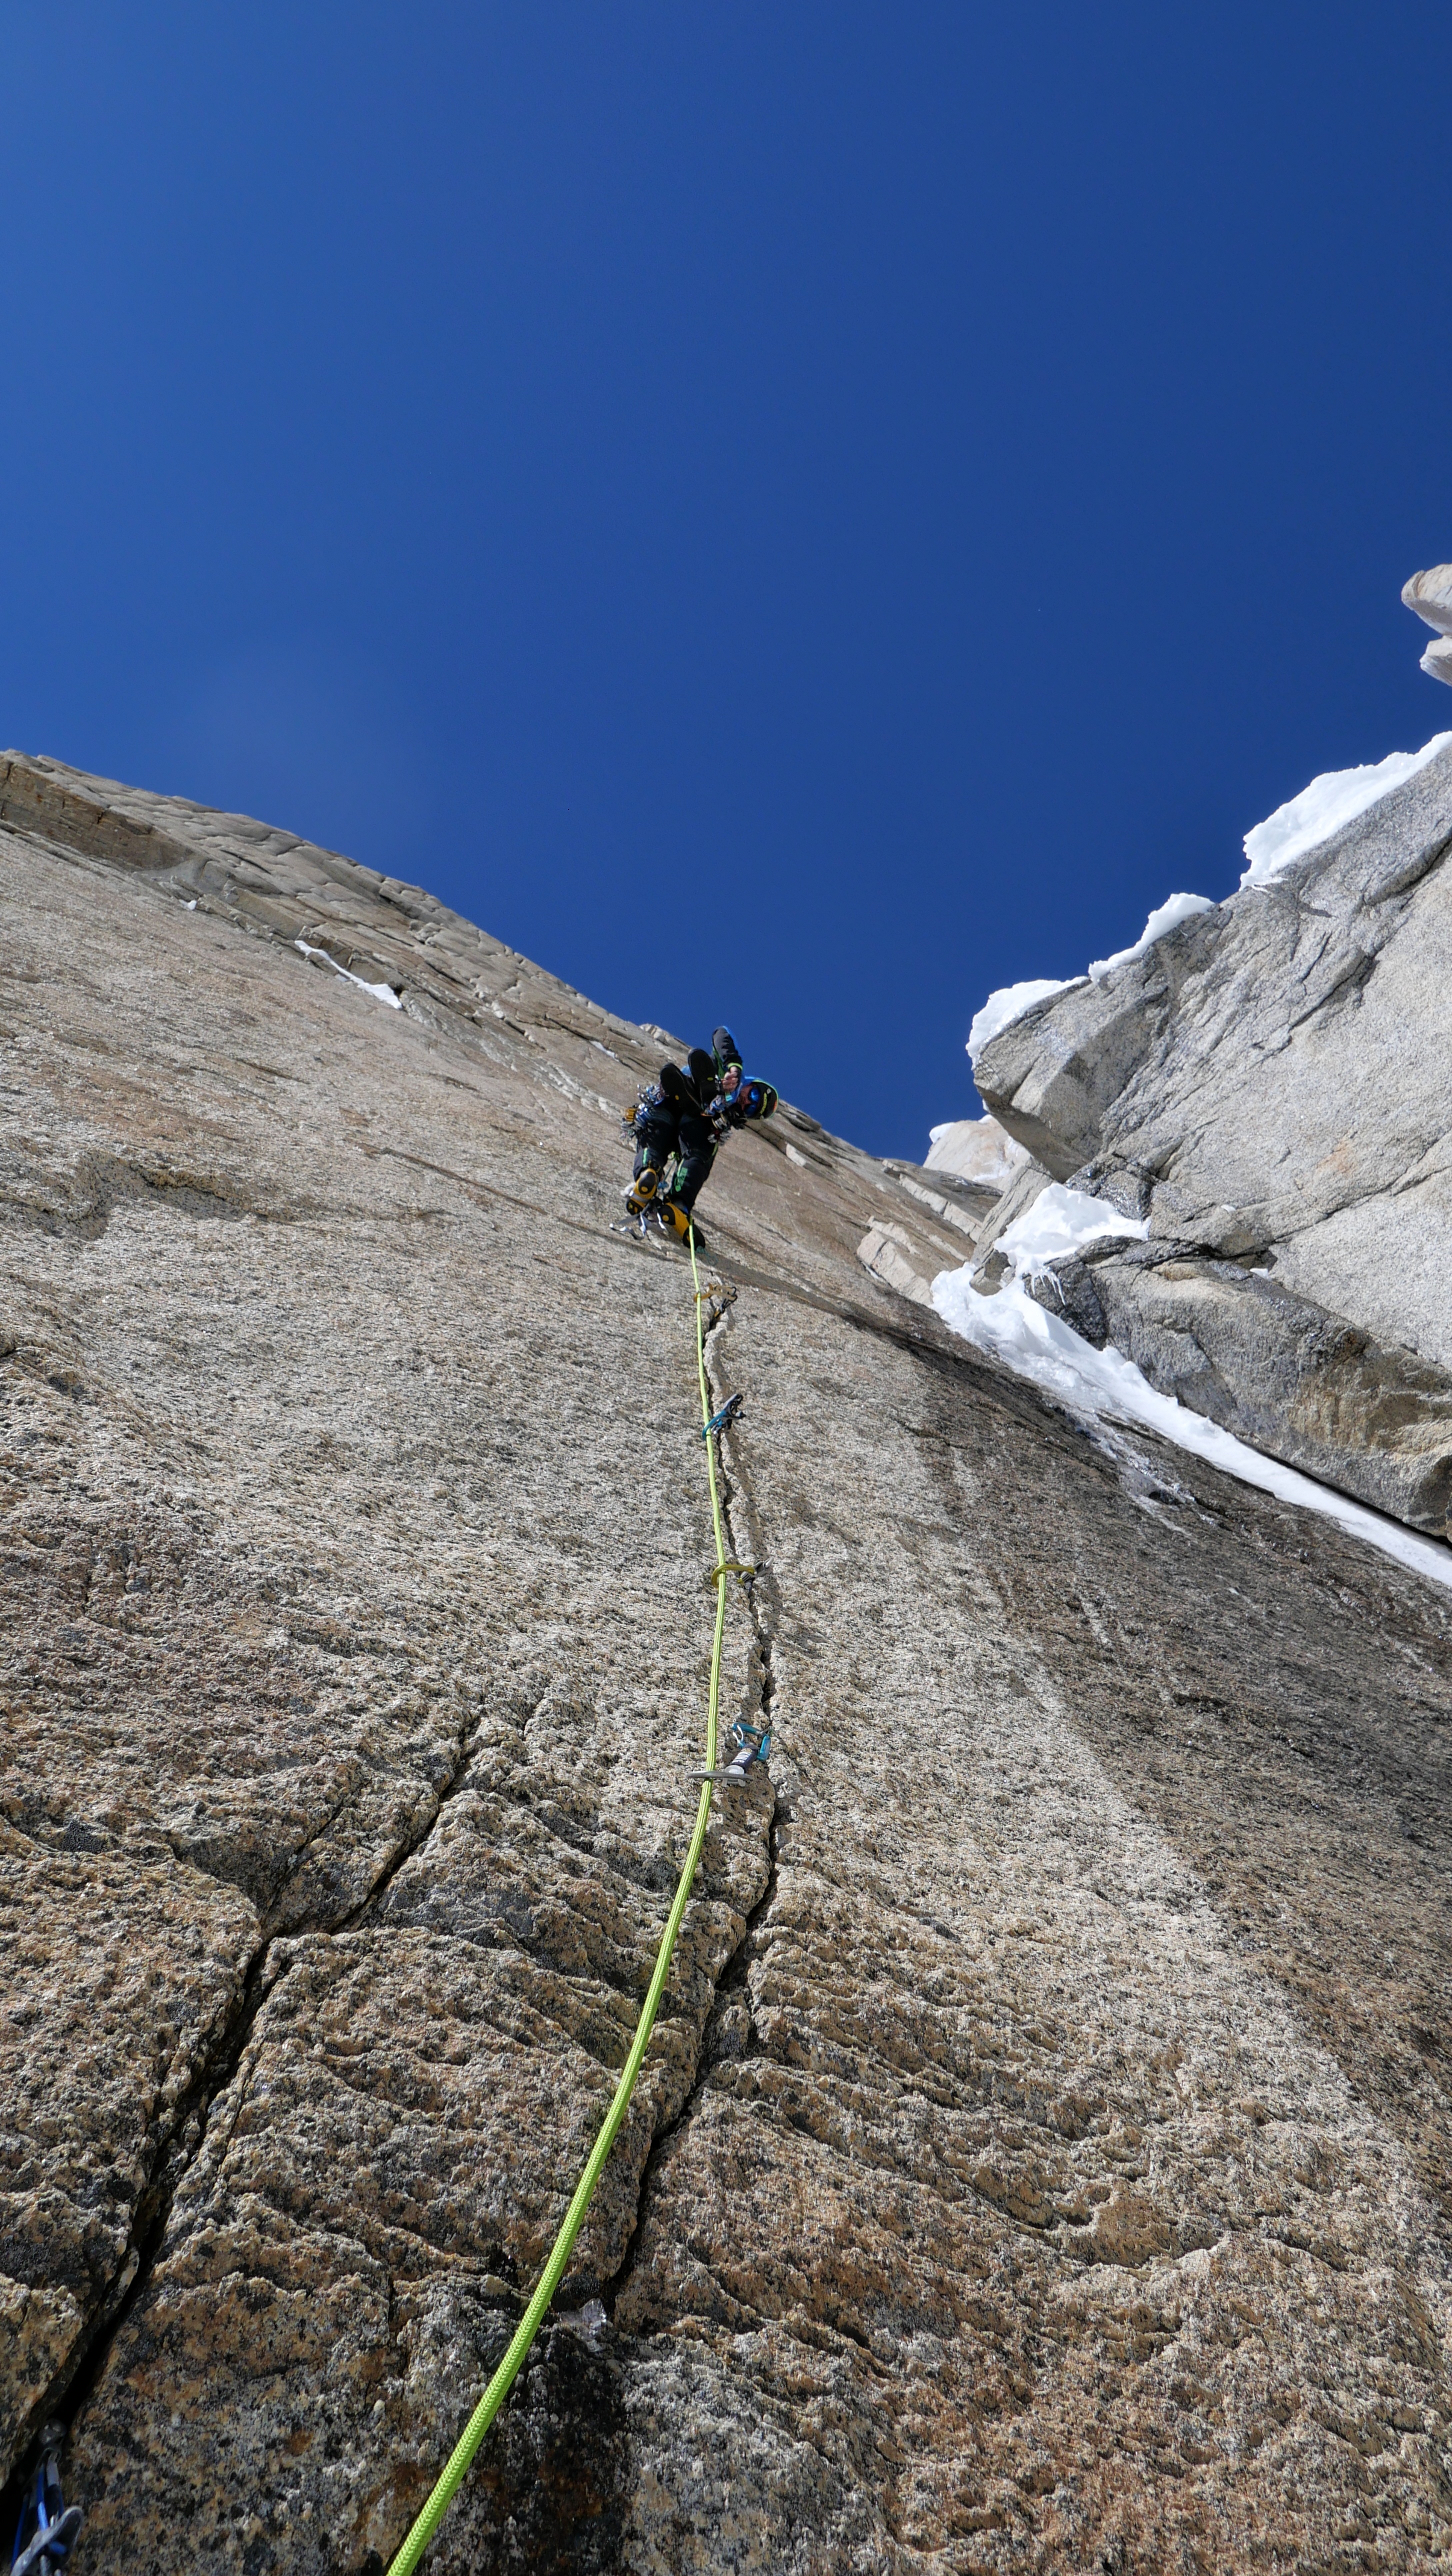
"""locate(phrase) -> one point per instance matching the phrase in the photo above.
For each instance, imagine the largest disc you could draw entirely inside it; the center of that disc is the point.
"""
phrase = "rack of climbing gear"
(450, 2477)
(648, 1096)
(47, 2525)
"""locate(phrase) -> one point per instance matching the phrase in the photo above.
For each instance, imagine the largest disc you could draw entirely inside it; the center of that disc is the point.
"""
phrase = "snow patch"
(1013, 1000)
(1059, 1221)
(1011, 1004)
(1103, 1384)
(1167, 916)
(1323, 808)
(380, 992)
(1331, 801)
(976, 1149)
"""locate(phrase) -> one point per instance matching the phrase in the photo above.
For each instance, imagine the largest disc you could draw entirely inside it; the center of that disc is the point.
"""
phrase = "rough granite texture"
(1043, 2161)
(1271, 1085)
(1273, 1368)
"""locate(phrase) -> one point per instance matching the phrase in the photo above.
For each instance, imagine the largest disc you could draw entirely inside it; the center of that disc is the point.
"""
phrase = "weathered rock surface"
(1273, 1368)
(976, 1150)
(1043, 2161)
(1429, 594)
(1271, 1085)
(944, 1222)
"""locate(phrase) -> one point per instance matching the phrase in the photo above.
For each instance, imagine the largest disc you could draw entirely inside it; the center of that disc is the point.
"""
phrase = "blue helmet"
(755, 1099)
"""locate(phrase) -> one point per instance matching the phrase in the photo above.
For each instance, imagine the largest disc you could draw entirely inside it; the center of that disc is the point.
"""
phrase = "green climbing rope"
(448, 2481)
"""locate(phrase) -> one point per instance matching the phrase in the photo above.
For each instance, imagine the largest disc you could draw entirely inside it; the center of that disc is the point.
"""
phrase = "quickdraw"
(750, 1746)
(47, 2524)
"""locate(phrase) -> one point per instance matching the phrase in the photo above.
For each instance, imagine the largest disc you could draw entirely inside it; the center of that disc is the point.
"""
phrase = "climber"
(47, 2526)
(686, 1114)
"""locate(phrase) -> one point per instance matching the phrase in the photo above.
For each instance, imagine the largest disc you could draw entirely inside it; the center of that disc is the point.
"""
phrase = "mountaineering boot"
(641, 1191)
(678, 1221)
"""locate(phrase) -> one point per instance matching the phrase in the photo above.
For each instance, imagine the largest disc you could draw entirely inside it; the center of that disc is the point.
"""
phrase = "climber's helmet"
(757, 1099)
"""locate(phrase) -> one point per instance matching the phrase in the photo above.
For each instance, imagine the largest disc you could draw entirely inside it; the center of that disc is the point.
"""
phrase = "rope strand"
(451, 2475)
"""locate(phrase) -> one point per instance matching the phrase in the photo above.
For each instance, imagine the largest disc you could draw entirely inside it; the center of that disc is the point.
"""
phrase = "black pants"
(684, 1133)
(678, 1127)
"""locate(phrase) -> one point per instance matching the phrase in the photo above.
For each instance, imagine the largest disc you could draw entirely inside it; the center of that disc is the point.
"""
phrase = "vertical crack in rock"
(714, 2045)
(178, 2148)
(743, 1530)
(737, 1505)
(426, 1816)
(69, 2391)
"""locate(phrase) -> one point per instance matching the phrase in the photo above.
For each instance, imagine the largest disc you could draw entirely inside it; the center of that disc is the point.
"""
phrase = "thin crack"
(273, 1917)
(731, 1975)
(412, 1842)
(75, 2382)
(733, 1969)
(73, 2385)
(757, 1592)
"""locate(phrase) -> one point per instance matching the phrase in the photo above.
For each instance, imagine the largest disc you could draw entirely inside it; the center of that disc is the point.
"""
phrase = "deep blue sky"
(785, 509)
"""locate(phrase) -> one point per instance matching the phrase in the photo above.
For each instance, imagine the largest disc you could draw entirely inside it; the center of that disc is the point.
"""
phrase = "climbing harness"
(727, 1414)
(446, 2487)
(47, 2524)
